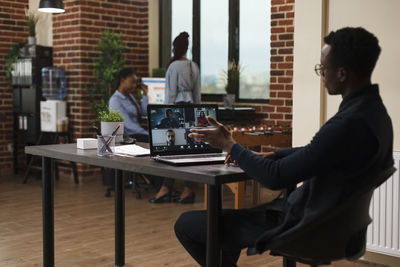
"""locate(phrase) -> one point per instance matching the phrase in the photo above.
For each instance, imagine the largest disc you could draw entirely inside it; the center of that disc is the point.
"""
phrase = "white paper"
(131, 150)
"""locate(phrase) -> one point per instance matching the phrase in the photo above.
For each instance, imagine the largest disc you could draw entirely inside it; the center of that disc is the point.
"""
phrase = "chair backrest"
(339, 234)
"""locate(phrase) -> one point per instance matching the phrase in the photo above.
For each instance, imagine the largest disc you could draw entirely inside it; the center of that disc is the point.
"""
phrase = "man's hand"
(267, 155)
(218, 137)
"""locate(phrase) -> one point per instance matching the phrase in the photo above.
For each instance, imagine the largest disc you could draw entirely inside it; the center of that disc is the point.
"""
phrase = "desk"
(214, 176)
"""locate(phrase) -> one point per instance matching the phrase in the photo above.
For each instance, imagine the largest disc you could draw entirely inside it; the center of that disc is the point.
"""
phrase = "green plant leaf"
(106, 68)
(111, 116)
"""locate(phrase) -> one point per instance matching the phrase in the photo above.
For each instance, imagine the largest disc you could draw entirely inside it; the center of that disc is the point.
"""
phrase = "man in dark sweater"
(357, 139)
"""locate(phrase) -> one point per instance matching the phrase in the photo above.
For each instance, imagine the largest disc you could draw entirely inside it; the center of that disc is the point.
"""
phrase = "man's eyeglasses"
(319, 69)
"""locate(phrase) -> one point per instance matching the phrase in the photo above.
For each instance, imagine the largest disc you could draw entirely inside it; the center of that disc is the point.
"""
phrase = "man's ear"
(342, 74)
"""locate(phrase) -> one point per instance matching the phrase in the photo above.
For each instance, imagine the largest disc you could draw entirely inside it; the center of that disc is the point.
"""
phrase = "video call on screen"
(170, 127)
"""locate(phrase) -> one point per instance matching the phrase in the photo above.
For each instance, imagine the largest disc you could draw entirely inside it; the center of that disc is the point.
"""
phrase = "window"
(254, 50)
(220, 31)
(213, 45)
(181, 21)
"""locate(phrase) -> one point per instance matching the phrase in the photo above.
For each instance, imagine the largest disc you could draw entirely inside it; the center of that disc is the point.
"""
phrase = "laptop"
(169, 126)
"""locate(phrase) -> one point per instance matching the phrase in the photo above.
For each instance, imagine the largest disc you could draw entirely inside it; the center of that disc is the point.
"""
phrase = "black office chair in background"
(339, 234)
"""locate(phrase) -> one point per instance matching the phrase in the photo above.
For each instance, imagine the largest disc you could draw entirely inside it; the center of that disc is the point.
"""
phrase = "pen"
(106, 145)
(103, 140)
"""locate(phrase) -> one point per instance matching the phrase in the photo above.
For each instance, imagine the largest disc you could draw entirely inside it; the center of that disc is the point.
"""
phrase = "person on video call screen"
(170, 134)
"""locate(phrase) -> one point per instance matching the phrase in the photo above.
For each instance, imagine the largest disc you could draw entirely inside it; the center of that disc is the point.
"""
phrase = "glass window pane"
(254, 49)
(182, 21)
(214, 45)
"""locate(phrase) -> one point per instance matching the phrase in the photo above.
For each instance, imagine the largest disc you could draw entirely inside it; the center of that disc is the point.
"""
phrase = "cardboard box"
(51, 111)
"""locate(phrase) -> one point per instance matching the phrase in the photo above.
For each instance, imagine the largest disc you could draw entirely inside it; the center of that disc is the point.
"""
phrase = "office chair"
(133, 182)
(339, 234)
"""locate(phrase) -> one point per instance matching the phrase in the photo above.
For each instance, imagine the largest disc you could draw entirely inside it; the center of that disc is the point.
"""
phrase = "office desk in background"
(213, 175)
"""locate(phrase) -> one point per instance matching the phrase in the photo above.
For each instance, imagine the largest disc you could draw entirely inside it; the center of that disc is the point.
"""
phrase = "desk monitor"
(156, 89)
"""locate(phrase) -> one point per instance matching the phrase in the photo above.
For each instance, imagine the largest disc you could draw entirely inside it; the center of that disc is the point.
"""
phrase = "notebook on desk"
(169, 126)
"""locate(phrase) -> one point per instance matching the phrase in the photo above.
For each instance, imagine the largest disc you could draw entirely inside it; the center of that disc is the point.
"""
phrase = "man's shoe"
(186, 200)
(163, 199)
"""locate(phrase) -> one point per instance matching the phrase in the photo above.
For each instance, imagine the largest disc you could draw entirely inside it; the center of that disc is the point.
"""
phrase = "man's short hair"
(354, 48)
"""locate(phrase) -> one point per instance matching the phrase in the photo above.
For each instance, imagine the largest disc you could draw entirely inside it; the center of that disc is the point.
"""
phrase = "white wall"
(379, 17)
(44, 27)
(307, 90)
(153, 35)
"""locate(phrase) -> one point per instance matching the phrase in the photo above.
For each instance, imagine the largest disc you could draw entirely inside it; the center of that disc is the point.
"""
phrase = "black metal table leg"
(288, 262)
(48, 213)
(213, 253)
(119, 219)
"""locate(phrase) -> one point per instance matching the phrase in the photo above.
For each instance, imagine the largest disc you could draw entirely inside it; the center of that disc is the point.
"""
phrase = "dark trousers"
(239, 229)
(168, 182)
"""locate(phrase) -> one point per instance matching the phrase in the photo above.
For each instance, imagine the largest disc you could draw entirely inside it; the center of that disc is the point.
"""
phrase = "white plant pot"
(229, 99)
(108, 127)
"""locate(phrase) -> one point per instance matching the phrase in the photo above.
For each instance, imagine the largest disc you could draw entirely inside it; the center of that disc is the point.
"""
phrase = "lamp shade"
(51, 6)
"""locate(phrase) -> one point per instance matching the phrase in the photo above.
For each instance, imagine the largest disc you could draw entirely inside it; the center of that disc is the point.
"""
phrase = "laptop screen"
(156, 87)
(169, 126)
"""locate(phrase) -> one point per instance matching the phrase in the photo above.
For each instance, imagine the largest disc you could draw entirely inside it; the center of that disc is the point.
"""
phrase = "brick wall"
(13, 30)
(279, 109)
(76, 34)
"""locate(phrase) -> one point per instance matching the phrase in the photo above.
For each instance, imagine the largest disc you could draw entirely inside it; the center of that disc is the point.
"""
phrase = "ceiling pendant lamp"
(51, 6)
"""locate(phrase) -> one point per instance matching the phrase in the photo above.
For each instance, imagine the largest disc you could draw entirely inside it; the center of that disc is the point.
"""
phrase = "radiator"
(383, 235)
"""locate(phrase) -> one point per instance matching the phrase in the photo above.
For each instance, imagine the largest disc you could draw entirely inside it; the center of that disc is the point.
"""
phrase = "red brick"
(268, 109)
(277, 2)
(287, 36)
(284, 109)
(286, 8)
(276, 116)
(285, 66)
(277, 29)
(285, 22)
(276, 102)
(290, 15)
(285, 94)
(284, 79)
(276, 86)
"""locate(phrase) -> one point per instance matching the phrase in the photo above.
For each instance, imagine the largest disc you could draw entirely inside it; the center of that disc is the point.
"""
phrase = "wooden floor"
(84, 227)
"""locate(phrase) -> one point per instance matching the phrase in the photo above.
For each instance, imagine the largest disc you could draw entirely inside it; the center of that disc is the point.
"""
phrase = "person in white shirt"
(182, 80)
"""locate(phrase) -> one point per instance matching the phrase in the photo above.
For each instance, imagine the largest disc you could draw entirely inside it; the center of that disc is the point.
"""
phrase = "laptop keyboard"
(195, 156)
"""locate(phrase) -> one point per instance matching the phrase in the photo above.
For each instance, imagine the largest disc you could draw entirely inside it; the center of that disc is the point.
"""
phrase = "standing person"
(182, 86)
(357, 139)
(124, 101)
(182, 80)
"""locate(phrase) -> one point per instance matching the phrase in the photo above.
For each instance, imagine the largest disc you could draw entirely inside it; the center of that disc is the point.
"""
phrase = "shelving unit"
(27, 94)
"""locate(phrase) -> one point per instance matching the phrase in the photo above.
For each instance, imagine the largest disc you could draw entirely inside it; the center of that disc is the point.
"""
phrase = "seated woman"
(202, 120)
(123, 100)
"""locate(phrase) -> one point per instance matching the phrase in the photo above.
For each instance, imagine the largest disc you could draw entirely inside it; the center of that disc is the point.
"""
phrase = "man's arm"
(338, 146)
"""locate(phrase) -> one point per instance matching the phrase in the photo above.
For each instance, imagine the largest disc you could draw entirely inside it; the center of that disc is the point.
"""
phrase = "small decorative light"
(51, 6)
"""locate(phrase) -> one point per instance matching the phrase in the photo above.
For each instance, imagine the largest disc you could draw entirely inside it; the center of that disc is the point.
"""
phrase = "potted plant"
(106, 68)
(232, 83)
(31, 21)
(11, 58)
(110, 120)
